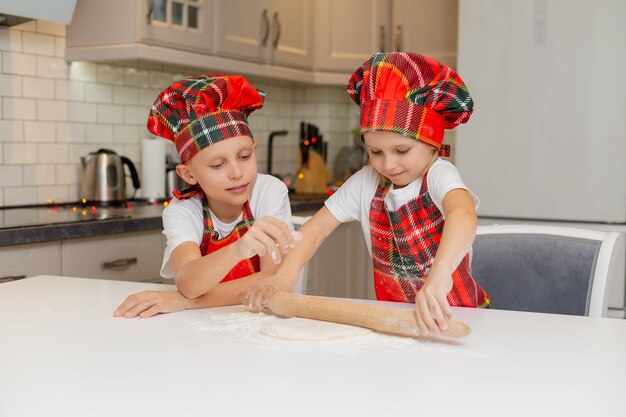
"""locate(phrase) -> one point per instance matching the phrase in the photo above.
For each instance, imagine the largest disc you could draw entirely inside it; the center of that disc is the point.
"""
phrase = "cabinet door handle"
(398, 40)
(119, 264)
(150, 10)
(278, 28)
(10, 278)
(265, 20)
(382, 38)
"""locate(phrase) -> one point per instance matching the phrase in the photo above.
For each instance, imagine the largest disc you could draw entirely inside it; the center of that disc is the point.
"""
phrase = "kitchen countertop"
(68, 221)
(63, 353)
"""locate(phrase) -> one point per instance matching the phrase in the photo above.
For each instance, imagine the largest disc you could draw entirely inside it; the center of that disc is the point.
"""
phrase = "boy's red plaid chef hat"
(410, 94)
(199, 111)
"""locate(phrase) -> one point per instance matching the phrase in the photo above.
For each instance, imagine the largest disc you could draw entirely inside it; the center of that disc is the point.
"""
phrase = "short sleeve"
(182, 222)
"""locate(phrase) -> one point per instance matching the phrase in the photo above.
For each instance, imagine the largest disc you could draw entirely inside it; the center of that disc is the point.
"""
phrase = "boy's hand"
(268, 235)
(432, 309)
(148, 303)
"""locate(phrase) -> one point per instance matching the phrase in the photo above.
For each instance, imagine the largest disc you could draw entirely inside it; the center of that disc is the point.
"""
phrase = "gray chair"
(547, 269)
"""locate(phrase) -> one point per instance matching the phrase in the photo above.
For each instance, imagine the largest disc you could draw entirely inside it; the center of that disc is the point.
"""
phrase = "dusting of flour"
(235, 324)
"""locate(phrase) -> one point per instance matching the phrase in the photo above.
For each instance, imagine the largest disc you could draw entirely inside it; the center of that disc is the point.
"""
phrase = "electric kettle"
(103, 179)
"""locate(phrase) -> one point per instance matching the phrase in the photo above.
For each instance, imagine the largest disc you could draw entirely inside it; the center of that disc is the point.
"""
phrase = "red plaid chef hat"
(410, 94)
(199, 111)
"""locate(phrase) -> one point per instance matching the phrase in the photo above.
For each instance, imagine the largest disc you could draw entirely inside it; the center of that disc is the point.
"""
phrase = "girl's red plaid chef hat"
(410, 94)
(199, 111)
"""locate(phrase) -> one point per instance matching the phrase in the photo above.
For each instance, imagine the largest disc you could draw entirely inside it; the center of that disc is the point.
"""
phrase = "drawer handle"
(10, 278)
(119, 264)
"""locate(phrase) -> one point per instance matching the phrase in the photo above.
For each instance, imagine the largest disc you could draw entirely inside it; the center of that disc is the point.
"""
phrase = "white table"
(62, 353)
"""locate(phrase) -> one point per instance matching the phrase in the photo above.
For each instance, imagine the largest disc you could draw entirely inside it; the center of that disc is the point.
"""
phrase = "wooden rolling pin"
(378, 318)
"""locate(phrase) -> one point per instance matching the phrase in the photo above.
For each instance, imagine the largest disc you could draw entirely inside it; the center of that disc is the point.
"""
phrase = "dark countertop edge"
(61, 231)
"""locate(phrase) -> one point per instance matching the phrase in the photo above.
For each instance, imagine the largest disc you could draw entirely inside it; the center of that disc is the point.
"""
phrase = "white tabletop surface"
(62, 353)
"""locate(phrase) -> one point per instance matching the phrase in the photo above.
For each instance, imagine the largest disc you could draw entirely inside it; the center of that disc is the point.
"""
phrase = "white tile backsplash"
(35, 87)
(98, 93)
(69, 90)
(55, 110)
(67, 174)
(10, 40)
(19, 108)
(10, 85)
(38, 44)
(109, 113)
(10, 175)
(52, 113)
(20, 153)
(51, 194)
(51, 67)
(39, 174)
(11, 131)
(70, 132)
(53, 153)
(38, 131)
(17, 196)
(19, 64)
(99, 133)
(82, 112)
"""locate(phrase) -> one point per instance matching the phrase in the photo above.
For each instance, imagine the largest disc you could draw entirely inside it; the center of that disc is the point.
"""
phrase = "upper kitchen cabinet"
(114, 29)
(267, 38)
(348, 31)
(425, 26)
(277, 32)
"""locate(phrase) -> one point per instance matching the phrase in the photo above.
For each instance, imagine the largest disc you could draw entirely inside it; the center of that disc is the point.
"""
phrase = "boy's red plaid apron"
(404, 243)
(211, 242)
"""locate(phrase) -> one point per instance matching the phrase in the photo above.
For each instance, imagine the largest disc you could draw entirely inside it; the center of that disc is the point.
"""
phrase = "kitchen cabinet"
(351, 30)
(265, 38)
(425, 26)
(342, 266)
(22, 261)
(265, 31)
(181, 24)
(127, 256)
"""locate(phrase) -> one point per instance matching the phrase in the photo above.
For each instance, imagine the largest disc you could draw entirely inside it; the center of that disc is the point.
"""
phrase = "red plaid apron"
(404, 243)
(211, 242)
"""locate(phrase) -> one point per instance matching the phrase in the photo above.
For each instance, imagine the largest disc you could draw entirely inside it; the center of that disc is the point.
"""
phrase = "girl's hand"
(432, 309)
(148, 303)
(268, 235)
(259, 294)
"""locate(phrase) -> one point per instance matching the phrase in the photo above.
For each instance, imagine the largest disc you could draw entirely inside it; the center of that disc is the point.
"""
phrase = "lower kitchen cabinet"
(342, 266)
(128, 256)
(22, 261)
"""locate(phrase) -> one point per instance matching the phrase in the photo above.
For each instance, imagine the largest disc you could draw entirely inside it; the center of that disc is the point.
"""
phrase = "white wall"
(53, 112)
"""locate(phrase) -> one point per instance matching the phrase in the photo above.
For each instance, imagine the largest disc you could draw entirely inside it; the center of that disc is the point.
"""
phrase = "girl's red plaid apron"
(404, 243)
(211, 241)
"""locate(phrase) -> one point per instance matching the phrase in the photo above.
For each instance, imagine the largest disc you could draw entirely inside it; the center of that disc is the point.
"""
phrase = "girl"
(231, 226)
(418, 217)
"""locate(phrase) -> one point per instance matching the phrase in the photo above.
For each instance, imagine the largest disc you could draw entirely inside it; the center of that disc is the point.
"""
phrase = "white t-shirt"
(353, 199)
(183, 219)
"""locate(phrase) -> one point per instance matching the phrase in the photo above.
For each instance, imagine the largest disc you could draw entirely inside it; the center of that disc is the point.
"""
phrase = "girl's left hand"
(432, 309)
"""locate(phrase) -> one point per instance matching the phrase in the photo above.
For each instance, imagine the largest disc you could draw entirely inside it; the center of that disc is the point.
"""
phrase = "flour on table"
(296, 328)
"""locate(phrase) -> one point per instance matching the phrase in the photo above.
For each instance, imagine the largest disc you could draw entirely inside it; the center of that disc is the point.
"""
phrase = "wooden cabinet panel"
(427, 27)
(276, 32)
(30, 260)
(128, 256)
(348, 31)
(342, 266)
